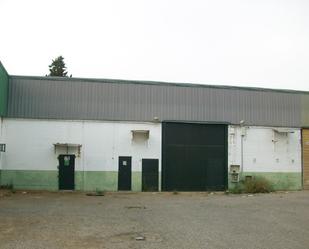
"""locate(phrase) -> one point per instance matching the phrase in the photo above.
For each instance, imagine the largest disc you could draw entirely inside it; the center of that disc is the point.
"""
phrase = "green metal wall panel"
(4, 84)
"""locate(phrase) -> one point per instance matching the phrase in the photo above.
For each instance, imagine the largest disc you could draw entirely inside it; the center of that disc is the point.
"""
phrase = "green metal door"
(124, 173)
(194, 156)
(150, 174)
(66, 172)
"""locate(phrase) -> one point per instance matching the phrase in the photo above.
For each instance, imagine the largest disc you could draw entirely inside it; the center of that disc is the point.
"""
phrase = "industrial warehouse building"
(88, 134)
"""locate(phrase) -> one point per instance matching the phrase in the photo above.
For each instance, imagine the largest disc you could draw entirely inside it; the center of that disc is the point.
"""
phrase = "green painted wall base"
(30, 179)
(48, 180)
(108, 180)
(278, 180)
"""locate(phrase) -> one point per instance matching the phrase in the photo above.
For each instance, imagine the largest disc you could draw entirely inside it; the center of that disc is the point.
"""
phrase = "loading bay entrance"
(194, 156)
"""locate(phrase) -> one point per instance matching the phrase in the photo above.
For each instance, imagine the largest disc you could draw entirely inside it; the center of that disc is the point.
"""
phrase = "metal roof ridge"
(158, 83)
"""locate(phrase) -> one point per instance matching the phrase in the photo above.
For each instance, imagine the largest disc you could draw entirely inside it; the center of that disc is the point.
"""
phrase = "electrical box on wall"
(234, 172)
(234, 168)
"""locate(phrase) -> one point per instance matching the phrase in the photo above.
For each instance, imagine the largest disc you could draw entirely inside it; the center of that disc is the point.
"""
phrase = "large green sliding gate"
(194, 156)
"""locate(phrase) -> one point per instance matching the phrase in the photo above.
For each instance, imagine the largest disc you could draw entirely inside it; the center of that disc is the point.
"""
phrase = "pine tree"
(58, 68)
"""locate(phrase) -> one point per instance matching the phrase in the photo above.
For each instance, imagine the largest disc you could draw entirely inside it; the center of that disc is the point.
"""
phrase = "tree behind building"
(58, 68)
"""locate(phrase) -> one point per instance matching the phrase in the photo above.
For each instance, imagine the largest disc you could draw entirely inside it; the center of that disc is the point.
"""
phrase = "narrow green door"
(124, 173)
(150, 174)
(66, 172)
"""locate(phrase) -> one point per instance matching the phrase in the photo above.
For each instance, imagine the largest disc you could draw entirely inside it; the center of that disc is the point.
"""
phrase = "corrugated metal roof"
(145, 82)
(94, 99)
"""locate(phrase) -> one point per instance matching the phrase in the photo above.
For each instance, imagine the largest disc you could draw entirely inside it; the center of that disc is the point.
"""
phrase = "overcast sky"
(231, 42)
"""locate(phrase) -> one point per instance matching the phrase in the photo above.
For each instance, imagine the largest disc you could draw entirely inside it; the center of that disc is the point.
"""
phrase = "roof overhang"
(284, 130)
(67, 146)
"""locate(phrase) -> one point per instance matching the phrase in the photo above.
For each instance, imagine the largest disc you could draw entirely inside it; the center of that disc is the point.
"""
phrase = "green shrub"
(257, 185)
(238, 189)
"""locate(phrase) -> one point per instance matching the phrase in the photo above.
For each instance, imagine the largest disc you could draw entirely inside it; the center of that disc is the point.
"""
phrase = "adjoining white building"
(88, 134)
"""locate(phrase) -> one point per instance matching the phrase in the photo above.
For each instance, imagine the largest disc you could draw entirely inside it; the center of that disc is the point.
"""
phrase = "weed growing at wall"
(254, 185)
(257, 185)
(237, 189)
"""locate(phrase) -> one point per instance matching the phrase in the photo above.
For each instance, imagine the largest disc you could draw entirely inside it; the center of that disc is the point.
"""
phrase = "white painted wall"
(30, 143)
(265, 150)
